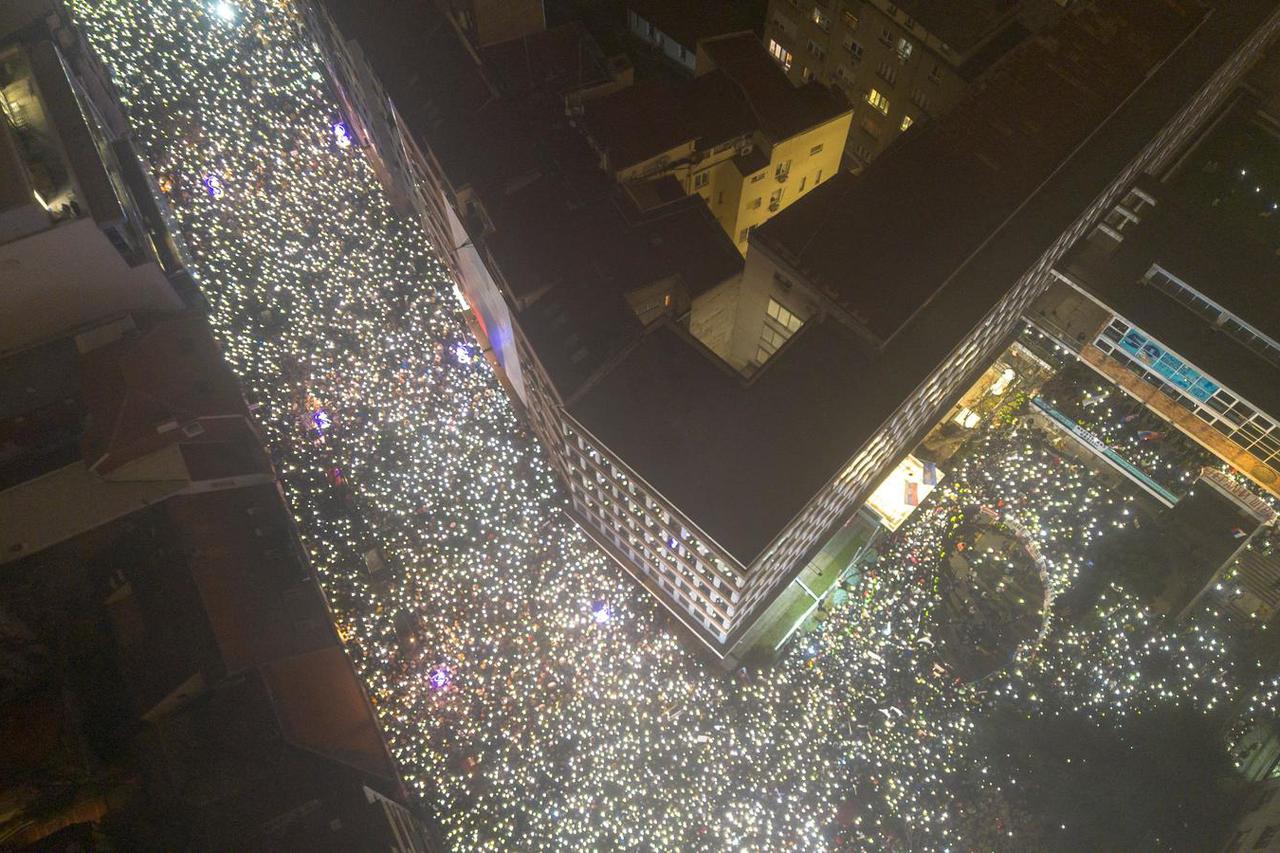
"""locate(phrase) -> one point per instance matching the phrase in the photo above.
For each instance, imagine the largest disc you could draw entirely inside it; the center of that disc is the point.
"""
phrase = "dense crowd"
(532, 695)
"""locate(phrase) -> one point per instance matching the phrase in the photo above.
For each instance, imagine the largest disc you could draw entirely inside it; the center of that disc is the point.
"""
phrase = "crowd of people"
(532, 695)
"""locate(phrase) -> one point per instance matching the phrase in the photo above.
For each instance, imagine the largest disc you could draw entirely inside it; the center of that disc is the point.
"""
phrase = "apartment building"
(738, 135)
(898, 63)
(713, 438)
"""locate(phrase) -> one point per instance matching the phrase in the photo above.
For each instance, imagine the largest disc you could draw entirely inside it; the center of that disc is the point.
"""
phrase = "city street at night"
(532, 694)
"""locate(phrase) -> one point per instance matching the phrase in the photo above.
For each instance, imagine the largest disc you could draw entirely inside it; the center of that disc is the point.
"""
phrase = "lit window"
(904, 49)
(784, 317)
(907, 121)
(879, 101)
(701, 179)
(821, 18)
(780, 53)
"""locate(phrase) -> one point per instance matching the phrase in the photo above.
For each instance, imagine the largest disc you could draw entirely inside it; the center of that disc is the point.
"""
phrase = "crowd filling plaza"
(532, 695)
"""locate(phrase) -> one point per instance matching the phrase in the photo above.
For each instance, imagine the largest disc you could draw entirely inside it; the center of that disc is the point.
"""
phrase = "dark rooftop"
(591, 257)
(642, 121)
(782, 109)
(744, 91)
(962, 24)
(1222, 264)
(959, 179)
(687, 22)
(933, 217)
(680, 417)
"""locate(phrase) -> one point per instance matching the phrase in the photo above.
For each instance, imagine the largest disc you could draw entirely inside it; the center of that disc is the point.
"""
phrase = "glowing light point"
(440, 678)
(463, 353)
(225, 11)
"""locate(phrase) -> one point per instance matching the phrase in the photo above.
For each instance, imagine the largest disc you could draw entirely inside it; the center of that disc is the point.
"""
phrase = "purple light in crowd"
(440, 678)
(213, 183)
(600, 612)
(341, 135)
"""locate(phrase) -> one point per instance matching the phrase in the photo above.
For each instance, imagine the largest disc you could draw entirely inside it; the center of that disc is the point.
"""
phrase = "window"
(821, 18)
(803, 181)
(844, 75)
(871, 127)
(806, 74)
(785, 318)
(817, 50)
(780, 53)
(775, 200)
(783, 170)
(855, 49)
(920, 98)
(887, 72)
(754, 204)
(907, 121)
(817, 149)
(879, 101)
(755, 179)
(905, 47)
(886, 37)
(850, 19)
(935, 73)
(701, 179)
(817, 179)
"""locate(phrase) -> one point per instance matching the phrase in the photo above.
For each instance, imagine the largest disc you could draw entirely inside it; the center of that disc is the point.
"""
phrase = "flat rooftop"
(687, 22)
(956, 181)
(962, 25)
(928, 231)
(1224, 265)
(781, 108)
(745, 91)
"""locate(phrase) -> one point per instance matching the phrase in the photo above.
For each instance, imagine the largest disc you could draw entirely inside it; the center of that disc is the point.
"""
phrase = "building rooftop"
(688, 22)
(962, 25)
(141, 388)
(1221, 263)
(744, 91)
(676, 414)
(589, 257)
(959, 179)
(929, 231)
(782, 109)
(642, 121)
